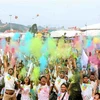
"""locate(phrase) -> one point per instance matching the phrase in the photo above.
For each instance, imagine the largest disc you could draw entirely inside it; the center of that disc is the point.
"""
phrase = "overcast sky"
(52, 12)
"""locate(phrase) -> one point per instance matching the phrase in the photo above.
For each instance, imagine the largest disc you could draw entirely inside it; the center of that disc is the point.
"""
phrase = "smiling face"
(11, 71)
(27, 80)
(96, 97)
(63, 88)
(43, 81)
(62, 75)
(85, 80)
(92, 78)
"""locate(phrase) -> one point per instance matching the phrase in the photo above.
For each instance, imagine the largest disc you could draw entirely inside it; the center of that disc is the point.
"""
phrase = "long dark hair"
(42, 77)
(28, 82)
(66, 85)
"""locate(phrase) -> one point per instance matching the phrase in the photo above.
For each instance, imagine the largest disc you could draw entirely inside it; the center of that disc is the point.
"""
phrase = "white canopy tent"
(91, 30)
(69, 33)
(4, 35)
(91, 27)
(92, 33)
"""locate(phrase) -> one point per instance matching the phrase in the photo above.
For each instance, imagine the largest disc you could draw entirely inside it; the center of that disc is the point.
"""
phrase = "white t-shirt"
(59, 82)
(9, 81)
(91, 98)
(25, 92)
(94, 84)
(86, 91)
(43, 92)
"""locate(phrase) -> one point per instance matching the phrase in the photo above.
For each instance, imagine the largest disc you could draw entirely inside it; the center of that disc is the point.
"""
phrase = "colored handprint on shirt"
(43, 90)
(39, 90)
(8, 77)
(59, 81)
(59, 96)
(84, 87)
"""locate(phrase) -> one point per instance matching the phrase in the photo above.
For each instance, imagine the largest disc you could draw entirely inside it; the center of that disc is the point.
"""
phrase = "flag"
(84, 59)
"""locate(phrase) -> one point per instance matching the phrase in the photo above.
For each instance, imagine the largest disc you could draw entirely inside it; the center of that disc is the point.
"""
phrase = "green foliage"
(33, 29)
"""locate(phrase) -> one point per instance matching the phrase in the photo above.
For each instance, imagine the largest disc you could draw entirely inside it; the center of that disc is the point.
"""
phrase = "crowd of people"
(65, 79)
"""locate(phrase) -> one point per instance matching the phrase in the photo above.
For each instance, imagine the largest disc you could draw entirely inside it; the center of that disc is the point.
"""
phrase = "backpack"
(53, 95)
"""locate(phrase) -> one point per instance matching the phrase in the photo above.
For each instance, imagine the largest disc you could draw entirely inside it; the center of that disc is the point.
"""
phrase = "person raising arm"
(10, 80)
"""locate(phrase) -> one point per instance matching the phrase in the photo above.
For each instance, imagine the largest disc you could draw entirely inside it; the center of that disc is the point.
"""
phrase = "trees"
(33, 29)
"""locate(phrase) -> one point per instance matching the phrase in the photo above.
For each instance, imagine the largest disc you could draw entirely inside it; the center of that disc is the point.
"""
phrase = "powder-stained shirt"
(9, 81)
(60, 96)
(86, 91)
(59, 82)
(43, 92)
